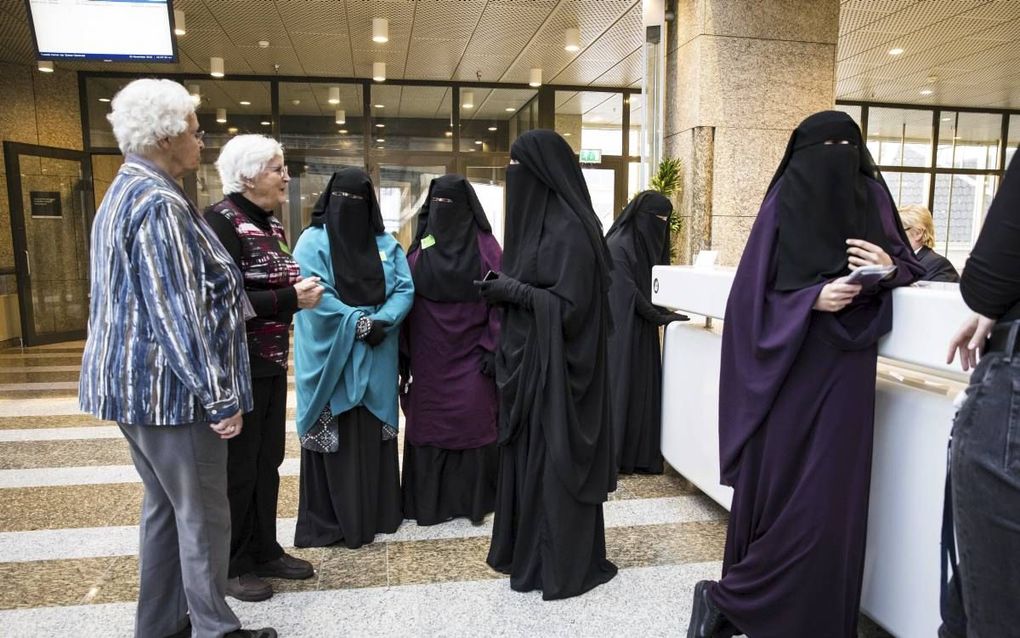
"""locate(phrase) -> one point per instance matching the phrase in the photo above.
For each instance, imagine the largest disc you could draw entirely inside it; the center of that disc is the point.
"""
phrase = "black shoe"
(286, 566)
(182, 633)
(706, 619)
(265, 632)
(249, 588)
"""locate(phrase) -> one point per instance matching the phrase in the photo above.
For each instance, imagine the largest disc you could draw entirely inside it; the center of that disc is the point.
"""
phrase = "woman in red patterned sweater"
(255, 182)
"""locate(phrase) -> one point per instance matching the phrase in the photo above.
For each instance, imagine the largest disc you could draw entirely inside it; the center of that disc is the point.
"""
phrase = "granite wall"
(740, 75)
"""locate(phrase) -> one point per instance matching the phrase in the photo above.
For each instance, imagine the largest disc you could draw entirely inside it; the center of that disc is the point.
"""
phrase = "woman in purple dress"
(447, 346)
(797, 391)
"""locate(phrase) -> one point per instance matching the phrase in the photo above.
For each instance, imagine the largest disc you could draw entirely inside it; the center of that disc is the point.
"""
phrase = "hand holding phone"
(489, 276)
(870, 275)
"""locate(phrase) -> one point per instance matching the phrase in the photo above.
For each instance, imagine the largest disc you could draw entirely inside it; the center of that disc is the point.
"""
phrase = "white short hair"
(147, 111)
(243, 158)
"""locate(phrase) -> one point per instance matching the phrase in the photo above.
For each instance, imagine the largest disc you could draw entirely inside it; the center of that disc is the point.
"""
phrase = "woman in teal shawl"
(345, 366)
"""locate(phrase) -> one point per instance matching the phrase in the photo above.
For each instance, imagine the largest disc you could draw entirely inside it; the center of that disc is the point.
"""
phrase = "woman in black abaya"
(638, 240)
(556, 464)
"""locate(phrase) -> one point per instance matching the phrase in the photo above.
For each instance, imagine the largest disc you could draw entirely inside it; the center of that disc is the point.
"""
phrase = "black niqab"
(449, 263)
(349, 210)
(824, 200)
(644, 225)
(551, 170)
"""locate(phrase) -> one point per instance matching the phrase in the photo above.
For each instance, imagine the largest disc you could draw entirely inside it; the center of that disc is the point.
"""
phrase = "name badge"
(428, 241)
(284, 247)
(382, 255)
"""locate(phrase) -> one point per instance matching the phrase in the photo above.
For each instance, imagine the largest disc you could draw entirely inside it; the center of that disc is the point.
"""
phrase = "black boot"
(706, 619)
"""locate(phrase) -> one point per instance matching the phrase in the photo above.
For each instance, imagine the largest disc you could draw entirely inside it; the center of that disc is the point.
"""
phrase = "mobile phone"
(869, 275)
(489, 276)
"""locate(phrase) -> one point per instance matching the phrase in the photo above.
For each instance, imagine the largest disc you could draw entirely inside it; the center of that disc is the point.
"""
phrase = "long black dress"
(637, 241)
(556, 465)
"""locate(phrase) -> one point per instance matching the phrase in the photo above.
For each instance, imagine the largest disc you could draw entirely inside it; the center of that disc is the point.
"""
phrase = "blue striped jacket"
(166, 340)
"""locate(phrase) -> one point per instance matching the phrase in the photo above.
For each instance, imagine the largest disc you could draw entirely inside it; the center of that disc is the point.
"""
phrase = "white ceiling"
(967, 52)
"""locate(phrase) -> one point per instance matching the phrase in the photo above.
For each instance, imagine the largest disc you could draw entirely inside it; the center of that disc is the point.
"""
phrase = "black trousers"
(253, 477)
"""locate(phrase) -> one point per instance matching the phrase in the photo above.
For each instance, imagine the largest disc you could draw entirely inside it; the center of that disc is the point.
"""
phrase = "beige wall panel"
(745, 160)
(756, 83)
(729, 236)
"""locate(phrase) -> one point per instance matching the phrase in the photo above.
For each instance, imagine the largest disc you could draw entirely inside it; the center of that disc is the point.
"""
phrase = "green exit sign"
(591, 156)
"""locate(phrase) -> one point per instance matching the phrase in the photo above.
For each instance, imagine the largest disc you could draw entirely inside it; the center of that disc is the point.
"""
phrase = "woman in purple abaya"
(447, 354)
(797, 391)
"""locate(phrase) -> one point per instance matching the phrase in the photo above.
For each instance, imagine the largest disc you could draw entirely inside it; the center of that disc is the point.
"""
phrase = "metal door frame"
(12, 152)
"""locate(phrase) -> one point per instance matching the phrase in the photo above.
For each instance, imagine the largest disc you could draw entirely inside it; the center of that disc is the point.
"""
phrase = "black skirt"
(542, 536)
(353, 494)
(440, 485)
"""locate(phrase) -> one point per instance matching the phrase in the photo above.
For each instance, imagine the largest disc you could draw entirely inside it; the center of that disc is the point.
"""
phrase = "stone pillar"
(740, 75)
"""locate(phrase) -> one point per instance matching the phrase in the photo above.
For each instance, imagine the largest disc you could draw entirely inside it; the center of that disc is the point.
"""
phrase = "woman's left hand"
(865, 253)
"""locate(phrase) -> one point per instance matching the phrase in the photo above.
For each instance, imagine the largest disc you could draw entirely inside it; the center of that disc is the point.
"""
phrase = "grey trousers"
(184, 544)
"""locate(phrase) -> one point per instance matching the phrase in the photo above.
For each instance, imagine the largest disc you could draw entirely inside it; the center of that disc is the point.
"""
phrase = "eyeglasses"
(280, 170)
(199, 135)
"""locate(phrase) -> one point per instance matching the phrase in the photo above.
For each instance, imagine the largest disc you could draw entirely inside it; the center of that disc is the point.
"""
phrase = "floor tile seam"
(698, 510)
(95, 590)
(64, 432)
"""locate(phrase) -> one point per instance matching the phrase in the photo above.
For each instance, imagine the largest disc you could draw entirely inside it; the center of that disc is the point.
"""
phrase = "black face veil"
(547, 169)
(825, 200)
(350, 212)
(645, 224)
(449, 261)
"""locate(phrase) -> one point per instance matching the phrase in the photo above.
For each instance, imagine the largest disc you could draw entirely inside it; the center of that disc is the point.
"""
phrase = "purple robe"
(796, 420)
(450, 404)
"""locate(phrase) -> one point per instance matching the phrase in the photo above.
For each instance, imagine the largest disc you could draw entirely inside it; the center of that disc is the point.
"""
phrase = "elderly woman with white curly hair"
(255, 180)
(166, 358)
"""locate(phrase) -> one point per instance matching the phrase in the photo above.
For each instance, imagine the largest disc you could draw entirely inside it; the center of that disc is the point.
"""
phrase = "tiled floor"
(69, 506)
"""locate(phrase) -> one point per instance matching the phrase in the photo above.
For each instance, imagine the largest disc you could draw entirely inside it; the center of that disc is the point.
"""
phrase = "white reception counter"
(913, 417)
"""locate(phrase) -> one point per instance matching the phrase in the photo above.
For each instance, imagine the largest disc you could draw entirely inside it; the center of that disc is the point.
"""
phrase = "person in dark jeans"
(255, 181)
(983, 600)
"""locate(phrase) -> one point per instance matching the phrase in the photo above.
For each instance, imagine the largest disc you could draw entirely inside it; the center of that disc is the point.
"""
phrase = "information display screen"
(113, 30)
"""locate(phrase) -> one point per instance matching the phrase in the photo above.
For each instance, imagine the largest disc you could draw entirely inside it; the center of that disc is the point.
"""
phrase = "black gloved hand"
(488, 364)
(376, 333)
(669, 317)
(505, 290)
(403, 372)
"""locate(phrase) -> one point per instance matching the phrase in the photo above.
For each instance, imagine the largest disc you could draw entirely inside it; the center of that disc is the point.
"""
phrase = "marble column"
(740, 75)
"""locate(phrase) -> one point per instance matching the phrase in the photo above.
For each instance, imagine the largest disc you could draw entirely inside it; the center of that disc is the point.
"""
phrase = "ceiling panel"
(963, 51)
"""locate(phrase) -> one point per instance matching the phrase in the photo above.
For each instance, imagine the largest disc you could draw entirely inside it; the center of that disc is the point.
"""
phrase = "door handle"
(28, 263)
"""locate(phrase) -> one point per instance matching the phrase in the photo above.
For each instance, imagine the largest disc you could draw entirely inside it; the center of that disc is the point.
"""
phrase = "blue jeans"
(985, 469)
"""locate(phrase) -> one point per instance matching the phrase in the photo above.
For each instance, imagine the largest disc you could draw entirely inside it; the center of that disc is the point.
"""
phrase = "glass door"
(51, 211)
(403, 184)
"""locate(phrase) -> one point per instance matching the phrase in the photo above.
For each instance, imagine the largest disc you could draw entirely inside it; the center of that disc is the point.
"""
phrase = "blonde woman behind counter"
(920, 229)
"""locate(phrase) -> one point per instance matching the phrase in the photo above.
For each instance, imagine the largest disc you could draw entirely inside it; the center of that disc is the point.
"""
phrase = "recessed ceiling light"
(380, 126)
(947, 119)
(180, 27)
(263, 44)
(232, 130)
(478, 142)
(572, 40)
(567, 134)
(295, 102)
(342, 131)
(449, 134)
(380, 140)
(379, 71)
(380, 30)
(334, 95)
(45, 66)
(509, 109)
(493, 128)
(266, 123)
(104, 99)
(216, 67)
(244, 103)
(926, 91)
(896, 51)
(379, 106)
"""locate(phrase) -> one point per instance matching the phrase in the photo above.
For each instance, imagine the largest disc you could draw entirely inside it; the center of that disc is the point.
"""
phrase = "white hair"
(147, 111)
(243, 158)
